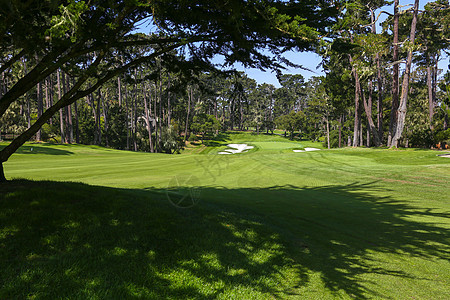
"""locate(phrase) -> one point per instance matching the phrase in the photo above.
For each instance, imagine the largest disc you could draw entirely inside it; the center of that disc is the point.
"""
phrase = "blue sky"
(309, 60)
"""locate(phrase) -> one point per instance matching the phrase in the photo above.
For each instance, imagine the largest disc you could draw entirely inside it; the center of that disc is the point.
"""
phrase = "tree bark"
(156, 118)
(126, 113)
(40, 107)
(105, 118)
(51, 95)
(430, 97)
(135, 147)
(65, 109)
(340, 132)
(77, 128)
(187, 115)
(380, 100)
(147, 118)
(61, 116)
(395, 102)
(98, 127)
(357, 122)
(169, 109)
(328, 133)
(119, 89)
(401, 113)
(2, 173)
(367, 108)
(380, 85)
(395, 82)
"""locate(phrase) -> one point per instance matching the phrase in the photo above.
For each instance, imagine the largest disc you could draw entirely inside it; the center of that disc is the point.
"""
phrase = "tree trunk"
(380, 101)
(147, 118)
(361, 137)
(328, 133)
(66, 109)
(51, 96)
(380, 86)
(357, 118)
(70, 123)
(2, 173)
(169, 109)
(430, 97)
(105, 118)
(367, 108)
(340, 132)
(39, 108)
(401, 114)
(156, 118)
(77, 128)
(119, 90)
(61, 116)
(395, 103)
(126, 113)
(160, 119)
(98, 126)
(187, 115)
(135, 115)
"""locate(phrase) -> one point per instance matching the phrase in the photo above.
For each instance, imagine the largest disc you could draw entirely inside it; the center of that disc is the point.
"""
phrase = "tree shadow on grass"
(79, 241)
(36, 149)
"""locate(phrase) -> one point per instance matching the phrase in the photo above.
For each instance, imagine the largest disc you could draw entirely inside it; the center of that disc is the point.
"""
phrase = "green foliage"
(117, 130)
(204, 124)
(292, 122)
(68, 21)
(12, 121)
(421, 138)
(171, 142)
(49, 132)
(192, 138)
(443, 136)
(86, 124)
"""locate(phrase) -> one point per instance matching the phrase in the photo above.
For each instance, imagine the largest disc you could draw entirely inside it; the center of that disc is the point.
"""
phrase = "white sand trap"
(307, 149)
(237, 148)
(445, 155)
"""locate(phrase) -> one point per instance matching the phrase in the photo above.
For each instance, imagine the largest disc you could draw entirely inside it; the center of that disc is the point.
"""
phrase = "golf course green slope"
(89, 222)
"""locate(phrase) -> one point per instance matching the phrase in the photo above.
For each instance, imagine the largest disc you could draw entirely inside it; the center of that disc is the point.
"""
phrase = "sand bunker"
(306, 150)
(237, 148)
(447, 155)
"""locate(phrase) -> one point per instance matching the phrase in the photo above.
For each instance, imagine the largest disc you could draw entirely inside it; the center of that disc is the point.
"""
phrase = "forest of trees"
(75, 72)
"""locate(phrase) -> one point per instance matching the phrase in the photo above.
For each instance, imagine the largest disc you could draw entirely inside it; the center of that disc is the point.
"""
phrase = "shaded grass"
(75, 240)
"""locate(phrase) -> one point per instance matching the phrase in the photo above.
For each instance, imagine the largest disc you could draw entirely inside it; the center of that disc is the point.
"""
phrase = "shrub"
(192, 138)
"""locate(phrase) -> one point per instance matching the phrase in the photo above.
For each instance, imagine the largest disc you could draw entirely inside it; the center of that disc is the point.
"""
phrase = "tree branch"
(12, 60)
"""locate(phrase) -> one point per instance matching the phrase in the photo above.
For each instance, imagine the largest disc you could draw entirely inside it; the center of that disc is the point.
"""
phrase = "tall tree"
(401, 112)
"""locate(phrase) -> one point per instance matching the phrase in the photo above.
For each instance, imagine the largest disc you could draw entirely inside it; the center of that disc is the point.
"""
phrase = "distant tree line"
(76, 72)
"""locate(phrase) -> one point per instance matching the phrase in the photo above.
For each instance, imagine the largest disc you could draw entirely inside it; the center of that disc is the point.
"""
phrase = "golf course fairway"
(85, 222)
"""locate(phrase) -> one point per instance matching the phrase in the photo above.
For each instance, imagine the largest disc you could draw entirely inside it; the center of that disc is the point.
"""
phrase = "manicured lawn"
(270, 223)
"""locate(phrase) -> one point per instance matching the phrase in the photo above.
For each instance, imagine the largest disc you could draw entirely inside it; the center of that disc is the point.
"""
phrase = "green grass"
(270, 223)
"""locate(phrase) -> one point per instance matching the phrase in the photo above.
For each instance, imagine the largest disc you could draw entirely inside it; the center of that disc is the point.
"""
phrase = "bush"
(421, 138)
(192, 138)
(443, 136)
(49, 132)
